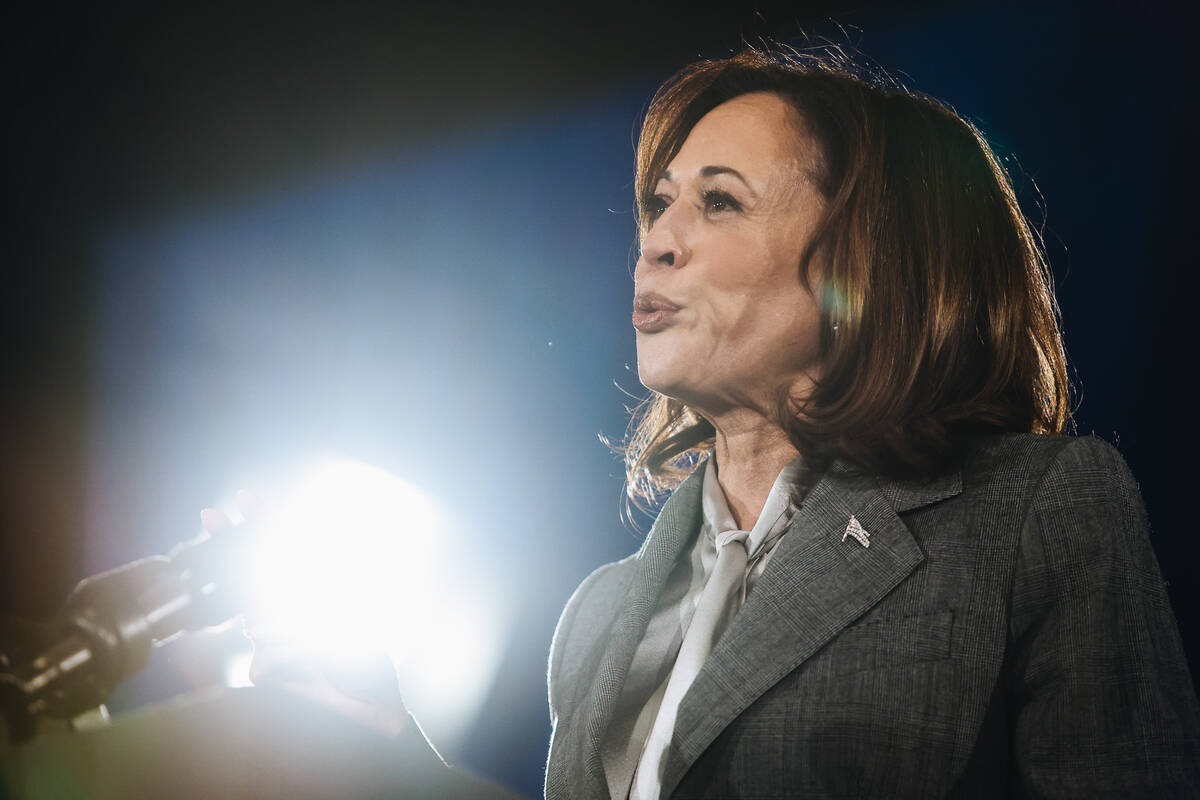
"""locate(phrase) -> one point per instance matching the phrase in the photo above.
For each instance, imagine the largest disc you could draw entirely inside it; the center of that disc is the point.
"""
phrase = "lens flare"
(355, 562)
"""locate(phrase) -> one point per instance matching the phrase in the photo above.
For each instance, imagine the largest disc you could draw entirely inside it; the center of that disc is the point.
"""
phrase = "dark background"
(125, 123)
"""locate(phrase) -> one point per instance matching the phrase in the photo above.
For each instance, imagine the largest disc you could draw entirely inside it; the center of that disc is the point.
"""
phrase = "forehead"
(754, 133)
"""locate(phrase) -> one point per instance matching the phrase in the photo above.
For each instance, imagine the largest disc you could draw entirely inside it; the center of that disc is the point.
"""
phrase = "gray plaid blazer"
(1006, 633)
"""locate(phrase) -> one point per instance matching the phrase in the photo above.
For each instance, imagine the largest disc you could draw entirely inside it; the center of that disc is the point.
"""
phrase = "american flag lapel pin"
(854, 528)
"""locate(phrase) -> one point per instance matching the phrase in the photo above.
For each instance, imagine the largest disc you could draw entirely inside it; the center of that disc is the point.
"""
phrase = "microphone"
(112, 620)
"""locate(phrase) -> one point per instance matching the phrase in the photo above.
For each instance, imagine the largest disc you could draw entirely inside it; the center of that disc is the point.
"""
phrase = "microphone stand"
(112, 620)
(104, 635)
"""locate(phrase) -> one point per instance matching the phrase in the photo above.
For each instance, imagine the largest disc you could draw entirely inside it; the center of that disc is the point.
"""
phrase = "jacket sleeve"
(562, 670)
(554, 664)
(1101, 701)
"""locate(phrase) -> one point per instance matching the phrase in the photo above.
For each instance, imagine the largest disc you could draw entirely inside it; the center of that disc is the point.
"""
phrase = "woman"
(882, 570)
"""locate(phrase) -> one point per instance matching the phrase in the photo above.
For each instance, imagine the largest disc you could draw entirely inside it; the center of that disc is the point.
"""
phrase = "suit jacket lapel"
(673, 529)
(814, 586)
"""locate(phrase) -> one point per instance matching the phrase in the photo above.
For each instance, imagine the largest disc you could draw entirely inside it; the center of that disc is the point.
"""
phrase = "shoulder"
(1060, 472)
(1047, 512)
(1065, 497)
(597, 587)
(1077, 516)
(1093, 658)
(1005, 480)
(578, 624)
(1086, 470)
(1048, 470)
(1072, 457)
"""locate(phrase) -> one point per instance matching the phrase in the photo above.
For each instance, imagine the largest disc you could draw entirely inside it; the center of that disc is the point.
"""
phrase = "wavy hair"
(938, 311)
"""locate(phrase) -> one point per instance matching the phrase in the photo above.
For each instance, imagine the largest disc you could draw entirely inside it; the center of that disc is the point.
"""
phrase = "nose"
(664, 245)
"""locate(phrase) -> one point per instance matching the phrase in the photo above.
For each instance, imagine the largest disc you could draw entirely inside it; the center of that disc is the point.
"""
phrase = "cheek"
(756, 293)
(777, 329)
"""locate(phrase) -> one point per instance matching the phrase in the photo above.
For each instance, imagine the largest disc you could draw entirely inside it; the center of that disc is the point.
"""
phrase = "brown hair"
(938, 311)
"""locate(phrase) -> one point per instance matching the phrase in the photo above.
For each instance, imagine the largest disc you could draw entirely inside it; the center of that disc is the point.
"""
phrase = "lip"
(652, 312)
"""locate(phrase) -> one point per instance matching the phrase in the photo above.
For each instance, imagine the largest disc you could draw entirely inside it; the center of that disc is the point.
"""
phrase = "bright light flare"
(237, 670)
(344, 559)
(356, 561)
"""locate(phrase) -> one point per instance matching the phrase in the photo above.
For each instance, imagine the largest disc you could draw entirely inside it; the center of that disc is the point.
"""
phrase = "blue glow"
(455, 315)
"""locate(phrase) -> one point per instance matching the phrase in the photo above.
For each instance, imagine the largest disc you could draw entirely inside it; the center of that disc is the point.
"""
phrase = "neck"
(750, 453)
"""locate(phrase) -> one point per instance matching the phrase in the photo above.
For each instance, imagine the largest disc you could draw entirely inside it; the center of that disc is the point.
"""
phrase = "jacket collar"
(673, 530)
(818, 581)
(909, 496)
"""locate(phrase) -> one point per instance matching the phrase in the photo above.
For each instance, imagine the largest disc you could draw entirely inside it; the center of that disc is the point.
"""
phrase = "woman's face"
(723, 321)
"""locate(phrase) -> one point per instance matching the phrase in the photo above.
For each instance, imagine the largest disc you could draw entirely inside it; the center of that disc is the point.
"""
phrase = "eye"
(653, 208)
(717, 202)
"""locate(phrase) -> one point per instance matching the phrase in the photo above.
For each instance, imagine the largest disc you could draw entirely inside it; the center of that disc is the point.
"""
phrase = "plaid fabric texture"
(1005, 634)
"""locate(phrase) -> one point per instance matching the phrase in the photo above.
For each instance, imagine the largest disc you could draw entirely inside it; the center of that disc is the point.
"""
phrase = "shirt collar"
(776, 513)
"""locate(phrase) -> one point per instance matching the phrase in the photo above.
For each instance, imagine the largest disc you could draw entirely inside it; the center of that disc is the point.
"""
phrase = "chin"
(652, 380)
(664, 368)
(658, 379)
(674, 386)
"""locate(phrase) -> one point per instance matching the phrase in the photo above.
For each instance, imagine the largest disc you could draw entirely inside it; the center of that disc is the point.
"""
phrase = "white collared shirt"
(654, 658)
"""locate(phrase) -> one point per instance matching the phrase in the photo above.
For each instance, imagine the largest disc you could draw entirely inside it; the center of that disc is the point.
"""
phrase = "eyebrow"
(710, 171)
